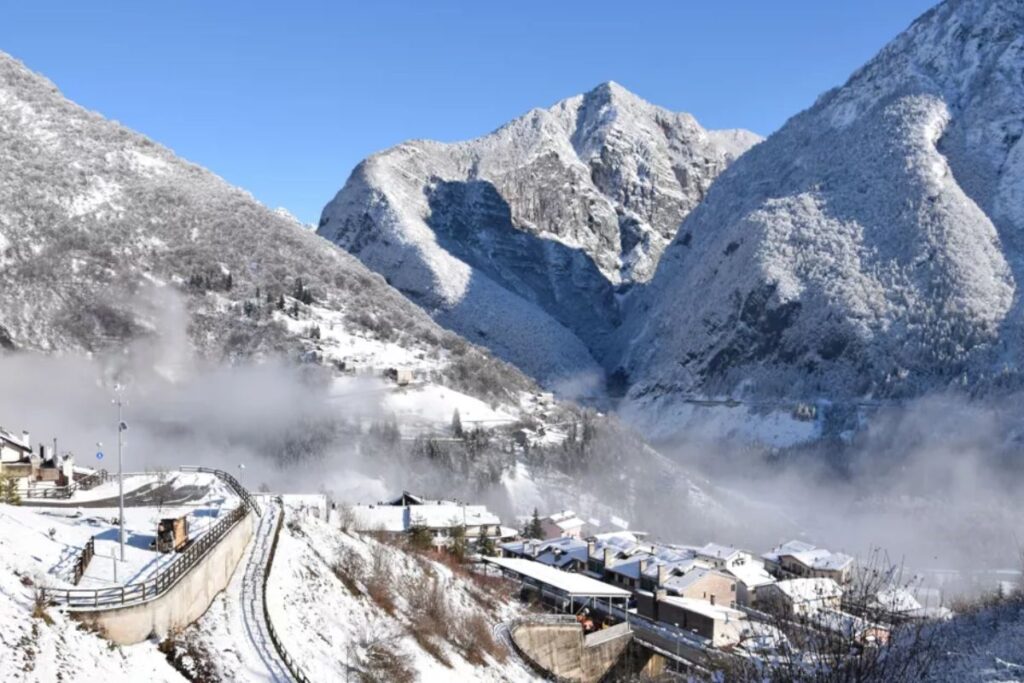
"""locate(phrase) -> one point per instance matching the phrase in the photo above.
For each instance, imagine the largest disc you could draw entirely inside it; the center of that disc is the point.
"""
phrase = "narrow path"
(167, 494)
(503, 634)
(249, 635)
(252, 593)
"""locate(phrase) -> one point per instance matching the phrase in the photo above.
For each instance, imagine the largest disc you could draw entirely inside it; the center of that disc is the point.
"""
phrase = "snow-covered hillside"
(108, 238)
(870, 248)
(379, 609)
(523, 240)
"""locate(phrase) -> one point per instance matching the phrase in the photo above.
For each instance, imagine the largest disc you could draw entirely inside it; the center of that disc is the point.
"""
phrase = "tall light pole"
(121, 427)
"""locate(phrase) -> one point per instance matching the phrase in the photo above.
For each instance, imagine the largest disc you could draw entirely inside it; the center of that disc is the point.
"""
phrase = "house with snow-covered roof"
(564, 523)
(720, 624)
(722, 556)
(14, 448)
(569, 554)
(797, 559)
(802, 597)
(440, 517)
(700, 583)
(750, 577)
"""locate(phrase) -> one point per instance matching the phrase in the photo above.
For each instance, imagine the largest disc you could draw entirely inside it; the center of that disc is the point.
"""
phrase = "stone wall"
(184, 603)
(562, 650)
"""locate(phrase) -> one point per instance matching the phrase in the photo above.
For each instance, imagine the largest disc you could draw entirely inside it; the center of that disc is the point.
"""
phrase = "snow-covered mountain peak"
(872, 247)
(546, 219)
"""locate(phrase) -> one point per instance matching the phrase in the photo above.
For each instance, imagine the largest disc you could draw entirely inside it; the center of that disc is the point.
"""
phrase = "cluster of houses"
(713, 590)
(18, 458)
(441, 518)
(710, 590)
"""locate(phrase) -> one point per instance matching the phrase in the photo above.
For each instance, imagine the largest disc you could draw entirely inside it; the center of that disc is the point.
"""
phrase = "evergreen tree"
(280, 302)
(9, 491)
(486, 544)
(457, 424)
(229, 282)
(420, 537)
(458, 545)
(533, 528)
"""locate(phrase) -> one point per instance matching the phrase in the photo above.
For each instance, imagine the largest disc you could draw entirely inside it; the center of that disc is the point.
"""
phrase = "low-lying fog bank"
(936, 484)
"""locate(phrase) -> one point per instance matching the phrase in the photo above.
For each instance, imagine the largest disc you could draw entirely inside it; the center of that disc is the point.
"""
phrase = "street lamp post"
(121, 427)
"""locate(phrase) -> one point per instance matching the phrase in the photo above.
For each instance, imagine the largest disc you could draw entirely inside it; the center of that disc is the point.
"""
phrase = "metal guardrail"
(235, 485)
(168, 576)
(293, 667)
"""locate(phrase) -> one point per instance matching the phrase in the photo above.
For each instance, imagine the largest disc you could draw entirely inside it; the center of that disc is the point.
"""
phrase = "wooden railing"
(82, 563)
(169, 575)
(91, 481)
(293, 666)
(64, 492)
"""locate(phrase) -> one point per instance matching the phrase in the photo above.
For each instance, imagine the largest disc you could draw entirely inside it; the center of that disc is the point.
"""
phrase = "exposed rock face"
(524, 240)
(872, 247)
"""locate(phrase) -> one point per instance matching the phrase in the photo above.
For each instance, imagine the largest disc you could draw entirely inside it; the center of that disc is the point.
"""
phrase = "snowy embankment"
(39, 547)
(986, 646)
(346, 605)
(46, 645)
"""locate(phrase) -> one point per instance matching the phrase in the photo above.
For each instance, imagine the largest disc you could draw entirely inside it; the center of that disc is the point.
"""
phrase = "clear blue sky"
(284, 98)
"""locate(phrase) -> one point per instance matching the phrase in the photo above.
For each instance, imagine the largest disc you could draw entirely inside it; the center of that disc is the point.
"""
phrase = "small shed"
(400, 376)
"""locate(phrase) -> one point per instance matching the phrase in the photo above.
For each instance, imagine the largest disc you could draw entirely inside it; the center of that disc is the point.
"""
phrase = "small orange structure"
(585, 621)
(172, 534)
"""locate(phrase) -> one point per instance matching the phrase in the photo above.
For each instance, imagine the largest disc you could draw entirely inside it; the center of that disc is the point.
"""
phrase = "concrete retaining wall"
(560, 650)
(184, 603)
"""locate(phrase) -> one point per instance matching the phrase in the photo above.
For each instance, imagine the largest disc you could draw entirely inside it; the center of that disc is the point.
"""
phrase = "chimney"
(591, 549)
(27, 439)
(643, 565)
(662, 574)
(607, 558)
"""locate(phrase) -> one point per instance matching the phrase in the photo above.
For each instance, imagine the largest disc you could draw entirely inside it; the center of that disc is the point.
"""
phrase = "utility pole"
(121, 427)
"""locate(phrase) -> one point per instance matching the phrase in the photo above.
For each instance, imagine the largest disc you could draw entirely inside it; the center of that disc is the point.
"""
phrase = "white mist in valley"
(934, 484)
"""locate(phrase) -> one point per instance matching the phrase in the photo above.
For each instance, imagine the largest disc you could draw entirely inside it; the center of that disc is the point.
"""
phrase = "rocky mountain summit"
(525, 240)
(868, 250)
